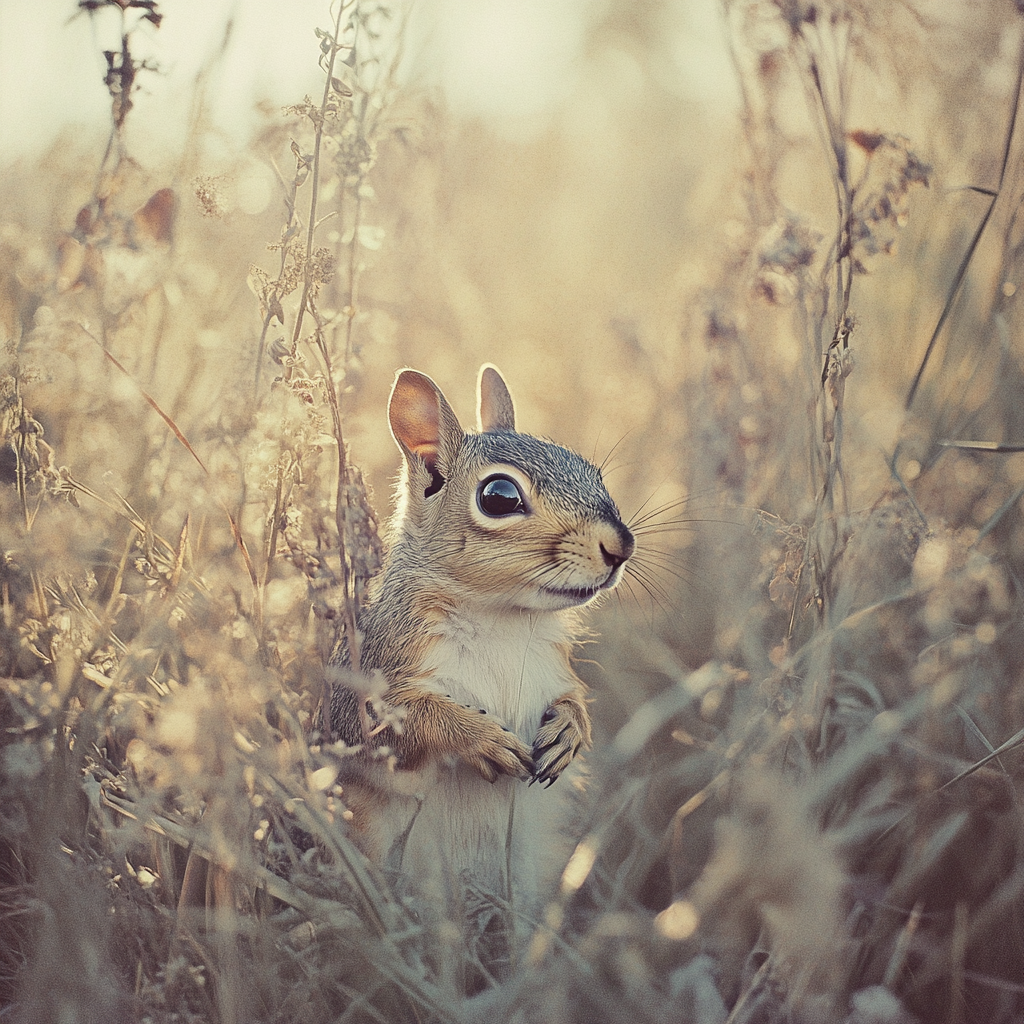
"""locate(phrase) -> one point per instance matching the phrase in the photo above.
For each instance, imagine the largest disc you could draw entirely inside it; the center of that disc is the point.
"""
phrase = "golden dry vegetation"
(792, 331)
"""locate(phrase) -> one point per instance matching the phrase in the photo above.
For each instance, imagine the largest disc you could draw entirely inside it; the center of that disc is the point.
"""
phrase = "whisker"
(656, 530)
(665, 506)
(681, 526)
(647, 525)
(632, 518)
(637, 520)
(654, 594)
(550, 574)
(646, 579)
(611, 451)
(660, 556)
(690, 498)
(680, 574)
(654, 602)
(672, 555)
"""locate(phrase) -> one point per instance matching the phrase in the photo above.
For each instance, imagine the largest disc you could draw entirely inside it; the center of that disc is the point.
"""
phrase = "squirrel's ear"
(422, 421)
(495, 410)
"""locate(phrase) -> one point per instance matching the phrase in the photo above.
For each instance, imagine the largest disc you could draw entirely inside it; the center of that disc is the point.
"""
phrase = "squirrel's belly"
(465, 828)
(444, 822)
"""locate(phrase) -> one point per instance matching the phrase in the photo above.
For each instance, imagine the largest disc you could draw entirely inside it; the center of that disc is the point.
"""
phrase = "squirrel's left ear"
(495, 410)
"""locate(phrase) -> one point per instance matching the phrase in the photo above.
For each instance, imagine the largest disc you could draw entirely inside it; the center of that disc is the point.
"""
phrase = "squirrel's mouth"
(581, 595)
(578, 595)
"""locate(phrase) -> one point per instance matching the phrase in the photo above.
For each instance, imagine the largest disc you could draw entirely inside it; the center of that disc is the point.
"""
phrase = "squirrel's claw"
(558, 741)
(500, 752)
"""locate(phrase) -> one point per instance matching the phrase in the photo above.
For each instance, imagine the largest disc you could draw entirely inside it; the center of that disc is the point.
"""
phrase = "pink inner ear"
(427, 452)
(415, 415)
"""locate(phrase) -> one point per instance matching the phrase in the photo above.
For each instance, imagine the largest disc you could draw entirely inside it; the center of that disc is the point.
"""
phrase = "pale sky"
(511, 60)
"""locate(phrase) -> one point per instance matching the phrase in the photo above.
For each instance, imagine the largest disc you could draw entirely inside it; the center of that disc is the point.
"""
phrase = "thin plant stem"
(965, 262)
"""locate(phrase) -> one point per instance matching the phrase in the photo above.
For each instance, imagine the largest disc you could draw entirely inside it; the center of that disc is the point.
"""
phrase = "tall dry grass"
(794, 333)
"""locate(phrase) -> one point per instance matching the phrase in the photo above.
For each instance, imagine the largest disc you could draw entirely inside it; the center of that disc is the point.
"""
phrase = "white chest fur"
(509, 663)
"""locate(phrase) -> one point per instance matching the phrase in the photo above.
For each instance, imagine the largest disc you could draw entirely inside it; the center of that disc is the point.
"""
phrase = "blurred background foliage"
(771, 279)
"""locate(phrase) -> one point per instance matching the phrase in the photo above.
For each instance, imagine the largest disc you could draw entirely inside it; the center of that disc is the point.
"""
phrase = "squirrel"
(498, 538)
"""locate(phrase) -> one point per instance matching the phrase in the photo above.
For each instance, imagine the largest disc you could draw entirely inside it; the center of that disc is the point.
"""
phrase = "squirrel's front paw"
(498, 751)
(564, 730)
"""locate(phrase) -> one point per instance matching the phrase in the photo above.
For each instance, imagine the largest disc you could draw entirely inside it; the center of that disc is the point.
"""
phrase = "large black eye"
(500, 496)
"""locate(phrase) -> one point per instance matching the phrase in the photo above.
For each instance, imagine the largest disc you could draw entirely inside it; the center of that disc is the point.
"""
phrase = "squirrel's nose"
(616, 551)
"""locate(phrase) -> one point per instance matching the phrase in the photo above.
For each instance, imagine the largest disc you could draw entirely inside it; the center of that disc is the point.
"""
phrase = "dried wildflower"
(785, 581)
(321, 267)
(881, 198)
(282, 353)
(8, 392)
(785, 252)
(154, 220)
(308, 390)
(294, 266)
(797, 12)
(356, 153)
(208, 193)
(148, 8)
(122, 67)
(838, 366)
(363, 541)
(260, 285)
(310, 110)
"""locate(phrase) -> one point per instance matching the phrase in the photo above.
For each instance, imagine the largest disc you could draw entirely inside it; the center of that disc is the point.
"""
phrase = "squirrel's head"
(505, 517)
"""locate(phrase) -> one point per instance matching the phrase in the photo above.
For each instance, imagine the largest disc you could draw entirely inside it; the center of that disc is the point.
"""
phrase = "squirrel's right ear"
(424, 424)
(495, 410)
